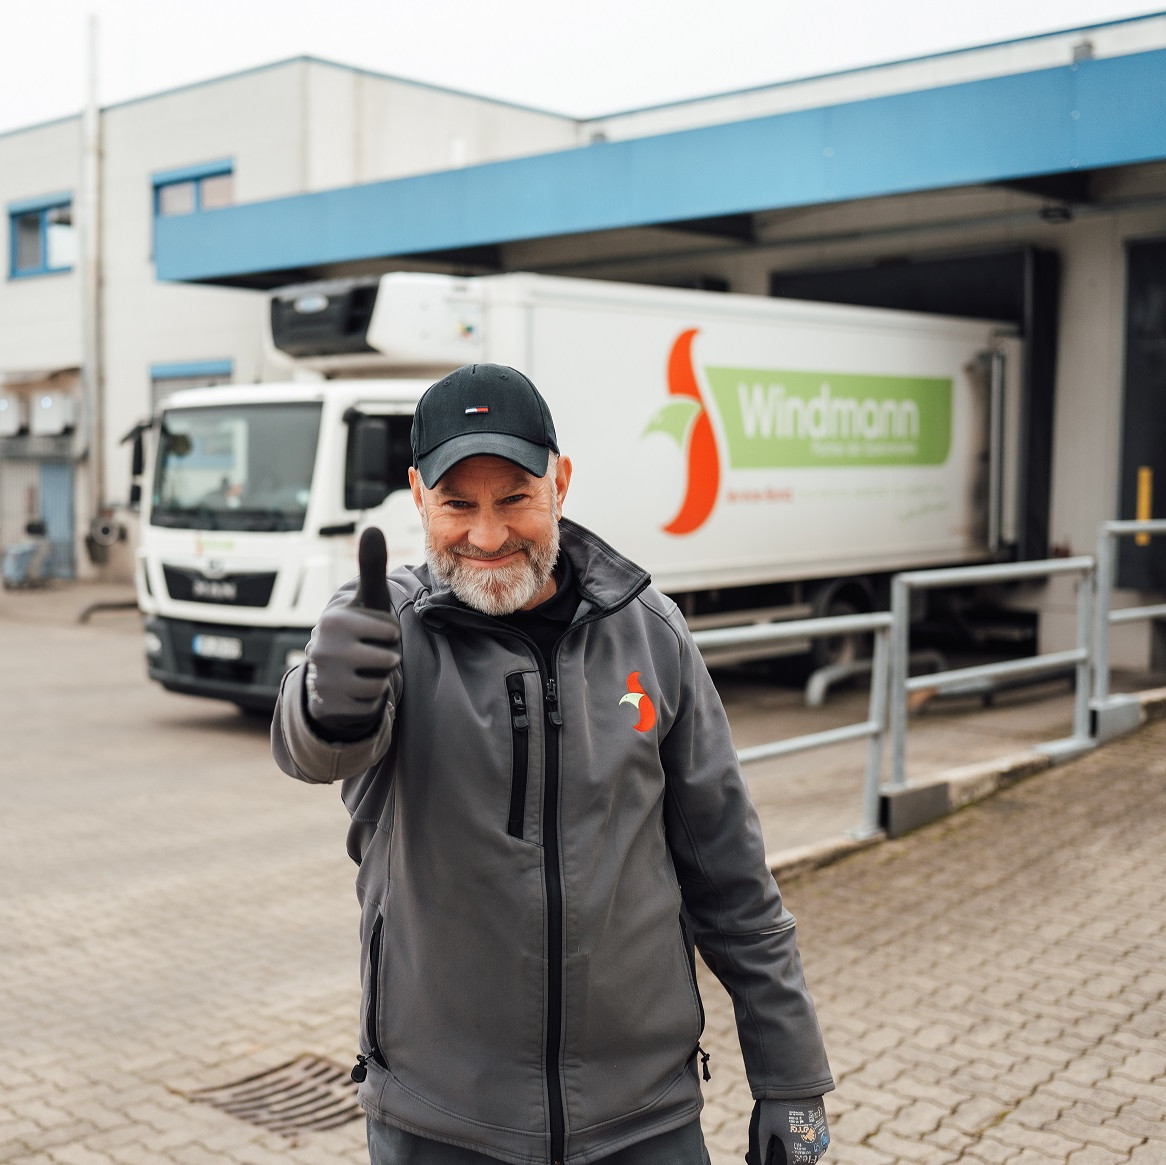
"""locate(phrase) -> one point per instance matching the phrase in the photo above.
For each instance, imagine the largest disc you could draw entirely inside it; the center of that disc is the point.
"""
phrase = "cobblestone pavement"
(176, 915)
(993, 987)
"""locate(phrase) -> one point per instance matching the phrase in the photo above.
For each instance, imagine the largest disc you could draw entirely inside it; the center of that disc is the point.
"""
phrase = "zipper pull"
(518, 715)
(704, 1062)
(359, 1071)
(552, 701)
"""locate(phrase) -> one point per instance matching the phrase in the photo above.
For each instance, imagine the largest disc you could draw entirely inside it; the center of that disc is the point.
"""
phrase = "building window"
(194, 188)
(168, 378)
(42, 238)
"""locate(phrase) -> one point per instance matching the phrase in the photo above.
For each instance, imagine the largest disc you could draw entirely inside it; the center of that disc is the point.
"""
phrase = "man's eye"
(514, 499)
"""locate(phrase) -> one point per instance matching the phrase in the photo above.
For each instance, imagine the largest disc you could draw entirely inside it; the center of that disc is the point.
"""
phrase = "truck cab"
(256, 498)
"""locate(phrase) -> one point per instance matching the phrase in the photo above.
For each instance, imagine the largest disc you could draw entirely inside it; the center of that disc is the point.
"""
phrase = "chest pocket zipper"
(520, 752)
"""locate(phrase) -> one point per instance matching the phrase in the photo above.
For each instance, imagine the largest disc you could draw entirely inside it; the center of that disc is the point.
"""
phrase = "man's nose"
(488, 531)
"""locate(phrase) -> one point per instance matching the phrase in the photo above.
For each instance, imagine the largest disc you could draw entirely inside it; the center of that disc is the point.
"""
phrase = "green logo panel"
(803, 420)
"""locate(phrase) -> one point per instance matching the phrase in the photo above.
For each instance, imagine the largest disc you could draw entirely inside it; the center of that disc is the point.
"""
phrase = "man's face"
(492, 531)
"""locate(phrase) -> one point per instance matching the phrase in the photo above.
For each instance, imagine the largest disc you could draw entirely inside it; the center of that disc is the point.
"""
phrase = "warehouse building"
(290, 128)
(1023, 181)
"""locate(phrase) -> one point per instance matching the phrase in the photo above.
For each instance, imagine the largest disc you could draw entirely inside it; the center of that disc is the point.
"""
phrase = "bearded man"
(538, 859)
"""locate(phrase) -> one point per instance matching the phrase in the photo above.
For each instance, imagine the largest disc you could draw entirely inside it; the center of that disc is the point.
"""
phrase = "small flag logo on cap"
(477, 409)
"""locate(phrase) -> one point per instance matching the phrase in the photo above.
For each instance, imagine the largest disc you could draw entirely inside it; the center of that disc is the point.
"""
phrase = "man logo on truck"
(786, 419)
(214, 590)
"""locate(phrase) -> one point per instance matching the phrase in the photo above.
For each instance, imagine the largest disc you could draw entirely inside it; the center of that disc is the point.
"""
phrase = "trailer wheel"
(846, 599)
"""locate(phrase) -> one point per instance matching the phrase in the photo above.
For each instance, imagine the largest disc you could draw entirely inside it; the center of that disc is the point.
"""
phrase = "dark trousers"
(392, 1146)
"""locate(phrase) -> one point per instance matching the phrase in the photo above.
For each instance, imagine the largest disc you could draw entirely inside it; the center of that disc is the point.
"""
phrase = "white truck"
(762, 458)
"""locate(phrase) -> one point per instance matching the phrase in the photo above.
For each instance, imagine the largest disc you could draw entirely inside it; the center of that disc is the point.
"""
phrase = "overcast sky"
(579, 57)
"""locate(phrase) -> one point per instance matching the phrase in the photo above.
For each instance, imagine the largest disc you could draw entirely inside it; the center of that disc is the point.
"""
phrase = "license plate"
(218, 647)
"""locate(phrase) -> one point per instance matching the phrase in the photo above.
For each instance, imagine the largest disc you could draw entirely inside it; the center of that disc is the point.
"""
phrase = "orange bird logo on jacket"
(642, 701)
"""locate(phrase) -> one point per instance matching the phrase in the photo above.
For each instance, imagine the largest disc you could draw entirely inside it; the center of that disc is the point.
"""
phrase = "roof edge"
(874, 66)
(301, 59)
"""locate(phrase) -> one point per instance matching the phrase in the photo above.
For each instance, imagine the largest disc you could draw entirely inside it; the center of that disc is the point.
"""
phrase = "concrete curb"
(1153, 702)
(788, 863)
(904, 810)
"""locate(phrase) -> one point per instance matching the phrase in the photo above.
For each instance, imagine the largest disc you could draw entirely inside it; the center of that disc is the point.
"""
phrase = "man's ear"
(562, 480)
(415, 486)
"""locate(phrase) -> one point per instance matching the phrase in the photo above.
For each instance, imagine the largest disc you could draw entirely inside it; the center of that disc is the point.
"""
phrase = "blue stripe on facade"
(1123, 119)
(1094, 113)
(190, 173)
(42, 202)
(191, 368)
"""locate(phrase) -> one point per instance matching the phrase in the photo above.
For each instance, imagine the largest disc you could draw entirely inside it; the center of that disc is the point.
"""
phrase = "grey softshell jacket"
(537, 856)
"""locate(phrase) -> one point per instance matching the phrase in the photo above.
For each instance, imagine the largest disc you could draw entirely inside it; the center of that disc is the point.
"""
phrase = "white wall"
(365, 128)
(40, 322)
(254, 120)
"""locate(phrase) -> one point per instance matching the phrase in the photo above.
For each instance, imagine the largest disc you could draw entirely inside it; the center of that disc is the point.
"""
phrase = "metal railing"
(873, 728)
(1097, 714)
(903, 684)
(1115, 714)
(1106, 618)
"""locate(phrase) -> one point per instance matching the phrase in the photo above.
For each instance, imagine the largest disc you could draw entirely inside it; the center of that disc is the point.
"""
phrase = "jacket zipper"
(690, 960)
(554, 889)
(519, 735)
(551, 878)
(554, 920)
(360, 1069)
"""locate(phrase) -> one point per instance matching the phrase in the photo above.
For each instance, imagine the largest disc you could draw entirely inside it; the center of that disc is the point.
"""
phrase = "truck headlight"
(153, 643)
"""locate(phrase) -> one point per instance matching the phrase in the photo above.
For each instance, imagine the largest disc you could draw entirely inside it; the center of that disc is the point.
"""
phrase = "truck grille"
(237, 590)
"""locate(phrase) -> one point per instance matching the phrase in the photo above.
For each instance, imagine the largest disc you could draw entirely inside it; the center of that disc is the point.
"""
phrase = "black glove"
(793, 1132)
(354, 651)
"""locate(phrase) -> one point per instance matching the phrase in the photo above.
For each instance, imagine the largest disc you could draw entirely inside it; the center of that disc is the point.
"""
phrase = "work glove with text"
(354, 651)
(787, 1132)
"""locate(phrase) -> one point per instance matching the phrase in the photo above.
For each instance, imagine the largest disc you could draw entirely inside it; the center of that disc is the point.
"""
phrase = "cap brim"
(525, 454)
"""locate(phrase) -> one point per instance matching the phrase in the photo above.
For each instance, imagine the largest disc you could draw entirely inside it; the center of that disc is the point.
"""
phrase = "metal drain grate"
(308, 1093)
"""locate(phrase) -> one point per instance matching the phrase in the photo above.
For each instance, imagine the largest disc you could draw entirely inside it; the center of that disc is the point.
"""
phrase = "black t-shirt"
(546, 622)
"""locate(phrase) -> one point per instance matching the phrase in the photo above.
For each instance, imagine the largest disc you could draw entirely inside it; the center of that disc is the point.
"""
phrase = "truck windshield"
(235, 467)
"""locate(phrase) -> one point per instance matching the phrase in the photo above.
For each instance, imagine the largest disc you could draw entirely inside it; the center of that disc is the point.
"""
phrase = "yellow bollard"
(1145, 501)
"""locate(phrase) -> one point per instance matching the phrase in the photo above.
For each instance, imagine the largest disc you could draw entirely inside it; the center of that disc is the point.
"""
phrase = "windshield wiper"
(256, 519)
(260, 518)
(186, 517)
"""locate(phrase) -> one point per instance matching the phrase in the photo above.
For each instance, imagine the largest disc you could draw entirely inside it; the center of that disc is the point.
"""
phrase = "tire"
(839, 649)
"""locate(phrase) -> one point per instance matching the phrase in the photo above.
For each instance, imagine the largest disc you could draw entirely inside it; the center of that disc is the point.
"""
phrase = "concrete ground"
(176, 916)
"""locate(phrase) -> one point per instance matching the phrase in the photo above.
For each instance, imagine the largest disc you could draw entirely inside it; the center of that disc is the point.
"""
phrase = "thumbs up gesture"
(354, 651)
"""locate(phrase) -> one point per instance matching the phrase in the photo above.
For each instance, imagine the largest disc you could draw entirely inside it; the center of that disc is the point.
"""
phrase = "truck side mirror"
(136, 437)
(366, 494)
(366, 479)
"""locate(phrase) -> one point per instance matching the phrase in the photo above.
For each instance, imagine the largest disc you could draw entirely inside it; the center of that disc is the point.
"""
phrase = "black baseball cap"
(481, 408)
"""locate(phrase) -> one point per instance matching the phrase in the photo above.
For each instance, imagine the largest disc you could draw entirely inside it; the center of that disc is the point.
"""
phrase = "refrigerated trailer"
(762, 458)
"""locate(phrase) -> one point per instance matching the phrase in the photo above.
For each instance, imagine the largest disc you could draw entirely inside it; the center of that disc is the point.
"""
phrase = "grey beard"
(501, 591)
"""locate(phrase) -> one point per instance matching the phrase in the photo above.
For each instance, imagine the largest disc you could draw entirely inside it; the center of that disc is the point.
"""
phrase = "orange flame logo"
(686, 420)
